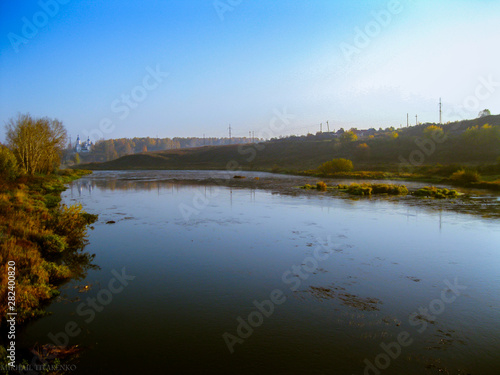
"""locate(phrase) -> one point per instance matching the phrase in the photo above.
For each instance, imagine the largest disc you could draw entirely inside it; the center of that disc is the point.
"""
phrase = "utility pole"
(416, 119)
(249, 136)
(440, 112)
(407, 120)
(328, 126)
(230, 134)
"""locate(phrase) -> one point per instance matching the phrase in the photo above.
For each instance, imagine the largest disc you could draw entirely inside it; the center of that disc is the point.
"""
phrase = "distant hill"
(464, 142)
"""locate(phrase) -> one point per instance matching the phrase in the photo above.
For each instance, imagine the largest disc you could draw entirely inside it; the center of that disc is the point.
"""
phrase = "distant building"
(83, 146)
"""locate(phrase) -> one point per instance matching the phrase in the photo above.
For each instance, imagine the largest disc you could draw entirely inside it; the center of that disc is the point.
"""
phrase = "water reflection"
(384, 258)
(476, 202)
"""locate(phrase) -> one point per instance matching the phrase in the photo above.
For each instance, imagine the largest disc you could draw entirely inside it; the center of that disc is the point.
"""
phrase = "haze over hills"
(471, 142)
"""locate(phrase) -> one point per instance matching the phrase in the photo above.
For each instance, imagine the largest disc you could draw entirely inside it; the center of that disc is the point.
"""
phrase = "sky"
(189, 68)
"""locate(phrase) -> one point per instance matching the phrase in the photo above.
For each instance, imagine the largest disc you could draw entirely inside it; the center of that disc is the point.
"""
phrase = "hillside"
(466, 142)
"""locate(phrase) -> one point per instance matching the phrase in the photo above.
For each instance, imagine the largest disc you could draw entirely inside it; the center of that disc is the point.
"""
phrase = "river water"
(203, 278)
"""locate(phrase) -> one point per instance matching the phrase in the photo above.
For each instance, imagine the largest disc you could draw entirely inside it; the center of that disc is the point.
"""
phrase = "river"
(201, 278)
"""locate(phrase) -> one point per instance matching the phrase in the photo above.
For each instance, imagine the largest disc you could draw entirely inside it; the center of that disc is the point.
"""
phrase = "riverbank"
(41, 242)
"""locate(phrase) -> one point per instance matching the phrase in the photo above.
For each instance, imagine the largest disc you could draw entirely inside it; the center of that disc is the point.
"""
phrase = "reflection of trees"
(486, 205)
(79, 262)
(115, 184)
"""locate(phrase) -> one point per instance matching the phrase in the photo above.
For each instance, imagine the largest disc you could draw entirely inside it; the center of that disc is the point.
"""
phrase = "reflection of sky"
(194, 277)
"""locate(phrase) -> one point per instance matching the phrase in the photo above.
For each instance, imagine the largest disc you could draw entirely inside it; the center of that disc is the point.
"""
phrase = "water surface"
(353, 275)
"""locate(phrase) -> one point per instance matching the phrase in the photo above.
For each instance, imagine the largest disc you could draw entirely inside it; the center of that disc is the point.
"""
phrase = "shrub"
(465, 176)
(52, 201)
(57, 272)
(336, 165)
(51, 243)
(70, 222)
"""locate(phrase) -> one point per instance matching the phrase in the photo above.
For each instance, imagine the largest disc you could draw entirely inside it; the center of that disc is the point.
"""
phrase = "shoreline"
(44, 240)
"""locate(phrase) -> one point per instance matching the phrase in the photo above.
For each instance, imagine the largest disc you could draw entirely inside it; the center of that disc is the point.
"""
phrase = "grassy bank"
(43, 239)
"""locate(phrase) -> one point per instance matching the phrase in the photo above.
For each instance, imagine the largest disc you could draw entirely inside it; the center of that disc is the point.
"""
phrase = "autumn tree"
(37, 143)
(434, 131)
(348, 136)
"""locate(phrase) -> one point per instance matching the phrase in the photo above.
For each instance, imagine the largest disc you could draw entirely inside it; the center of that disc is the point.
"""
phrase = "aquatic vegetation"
(369, 189)
(321, 186)
(360, 189)
(435, 192)
(391, 189)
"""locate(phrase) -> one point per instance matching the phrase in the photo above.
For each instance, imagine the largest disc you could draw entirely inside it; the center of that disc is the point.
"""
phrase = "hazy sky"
(192, 67)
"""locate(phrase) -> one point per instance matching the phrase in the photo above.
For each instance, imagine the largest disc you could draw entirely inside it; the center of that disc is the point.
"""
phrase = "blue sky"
(355, 64)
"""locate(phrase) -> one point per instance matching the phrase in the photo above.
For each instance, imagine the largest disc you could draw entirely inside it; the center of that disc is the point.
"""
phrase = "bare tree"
(36, 142)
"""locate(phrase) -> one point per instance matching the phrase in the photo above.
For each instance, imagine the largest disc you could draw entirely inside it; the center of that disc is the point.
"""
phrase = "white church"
(85, 146)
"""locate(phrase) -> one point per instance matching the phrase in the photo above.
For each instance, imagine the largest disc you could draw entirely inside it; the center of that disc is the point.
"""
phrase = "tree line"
(110, 149)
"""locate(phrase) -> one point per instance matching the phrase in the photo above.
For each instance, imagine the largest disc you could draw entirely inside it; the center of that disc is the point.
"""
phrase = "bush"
(57, 272)
(52, 201)
(465, 176)
(8, 164)
(70, 222)
(51, 243)
(336, 165)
